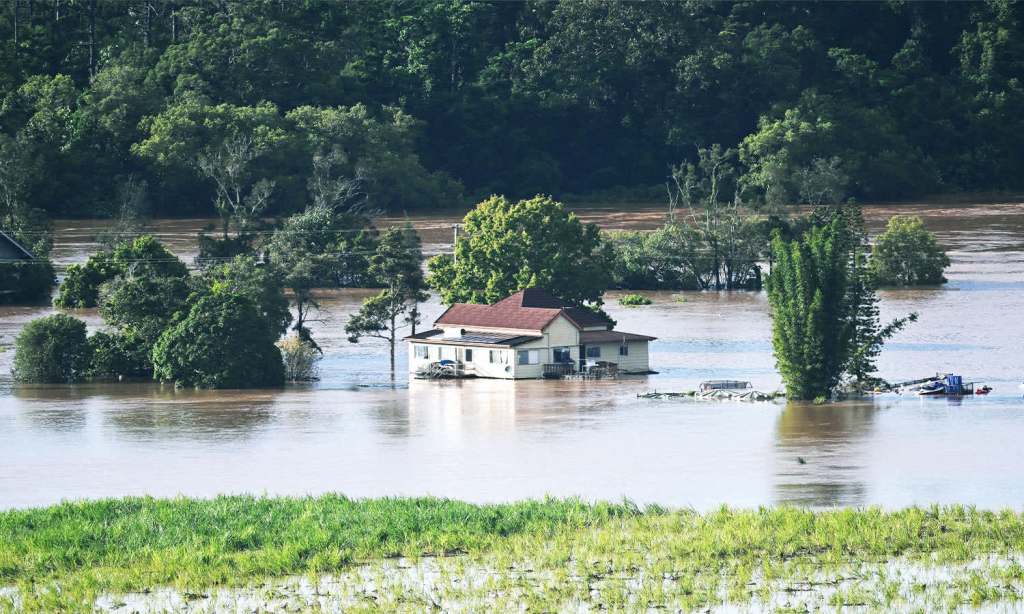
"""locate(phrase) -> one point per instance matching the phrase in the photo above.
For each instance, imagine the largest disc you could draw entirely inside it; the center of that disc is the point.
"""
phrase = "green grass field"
(617, 556)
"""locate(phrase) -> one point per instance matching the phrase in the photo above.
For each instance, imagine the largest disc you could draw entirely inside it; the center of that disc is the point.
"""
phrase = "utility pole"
(455, 242)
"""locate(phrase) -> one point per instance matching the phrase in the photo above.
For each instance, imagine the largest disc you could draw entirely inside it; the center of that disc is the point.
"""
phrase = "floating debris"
(716, 395)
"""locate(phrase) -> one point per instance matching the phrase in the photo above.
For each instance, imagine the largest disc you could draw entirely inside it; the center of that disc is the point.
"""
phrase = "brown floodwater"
(356, 431)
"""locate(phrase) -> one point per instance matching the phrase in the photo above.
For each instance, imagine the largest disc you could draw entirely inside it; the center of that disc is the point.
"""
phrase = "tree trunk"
(391, 341)
(147, 21)
(17, 9)
(92, 38)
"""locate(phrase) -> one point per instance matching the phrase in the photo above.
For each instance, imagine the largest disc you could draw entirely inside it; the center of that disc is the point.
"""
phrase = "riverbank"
(547, 554)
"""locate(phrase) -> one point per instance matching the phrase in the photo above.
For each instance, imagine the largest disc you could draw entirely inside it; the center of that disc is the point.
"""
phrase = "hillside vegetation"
(192, 106)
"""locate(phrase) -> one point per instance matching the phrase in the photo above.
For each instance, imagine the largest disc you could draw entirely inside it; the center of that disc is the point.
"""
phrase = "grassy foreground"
(63, 557)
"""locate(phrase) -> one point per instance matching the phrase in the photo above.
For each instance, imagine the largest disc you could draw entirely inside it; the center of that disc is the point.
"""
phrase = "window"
(529, 357)
(624, 350)
(593, 351)
(469, 355)
(561, 355)
(422, 351)
(496, 356)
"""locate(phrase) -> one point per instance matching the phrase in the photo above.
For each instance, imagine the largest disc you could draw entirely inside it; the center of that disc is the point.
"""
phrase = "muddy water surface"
(359, 432)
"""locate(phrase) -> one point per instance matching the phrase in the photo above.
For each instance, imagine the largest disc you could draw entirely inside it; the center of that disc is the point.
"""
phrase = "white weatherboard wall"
(480, 366)
(560, 333)
(638, 360)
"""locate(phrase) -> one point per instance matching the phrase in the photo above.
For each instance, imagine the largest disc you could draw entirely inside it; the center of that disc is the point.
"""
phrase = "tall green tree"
(323, 246)
(506, 246)
(397, 265)
(807, 294)
(824, 308)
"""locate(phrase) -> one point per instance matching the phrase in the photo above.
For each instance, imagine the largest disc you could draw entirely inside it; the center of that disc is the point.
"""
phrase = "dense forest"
(188, 105)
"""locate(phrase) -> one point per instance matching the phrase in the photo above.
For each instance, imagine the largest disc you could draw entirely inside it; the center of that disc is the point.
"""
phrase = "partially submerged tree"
(722, 246)
(868, 334)
(300, 359)
(824, 309)
(260, 283)
(52, 349)
(240, 197)
(142, 306)
(397, 265)
(906, 254)
(130, 212)
(811, 331)
(507, 246)
(216, 345)
(142, 257)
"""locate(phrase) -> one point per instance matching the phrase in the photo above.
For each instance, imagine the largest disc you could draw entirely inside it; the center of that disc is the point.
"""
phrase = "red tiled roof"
(529, 309)
(498, 316)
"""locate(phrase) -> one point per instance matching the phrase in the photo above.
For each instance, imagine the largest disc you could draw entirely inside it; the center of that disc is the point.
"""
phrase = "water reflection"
(229, 422)
(817, 453)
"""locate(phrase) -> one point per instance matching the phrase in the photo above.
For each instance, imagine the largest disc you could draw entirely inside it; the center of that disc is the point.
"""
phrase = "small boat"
(932, 388)
(725, 384)
(983, 390)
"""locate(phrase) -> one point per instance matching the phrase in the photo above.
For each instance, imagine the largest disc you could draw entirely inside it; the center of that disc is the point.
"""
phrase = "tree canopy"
(518, 98)
(825, 326)
(506, 246)
(52, 349)
(906, 254)
(219, 343)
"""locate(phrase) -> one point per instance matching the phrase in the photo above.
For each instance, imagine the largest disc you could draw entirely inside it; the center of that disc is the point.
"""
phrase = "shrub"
(143, 257)
(634, 300)
(51, 350)
(217, 345)
(81, 287)
(300, 359)
(907, 255)
(262, 284)
(118, 355)
(142, 306)
(664, 259)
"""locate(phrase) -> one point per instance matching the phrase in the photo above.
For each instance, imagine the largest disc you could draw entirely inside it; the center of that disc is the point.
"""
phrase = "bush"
(118, 355)
(51, 350)
(143, 257)
(81, 287)
(300, 359)
(659, 260)
(142, 306)
(634, 300)
(907, 255)
(262, 284)
(217, 346)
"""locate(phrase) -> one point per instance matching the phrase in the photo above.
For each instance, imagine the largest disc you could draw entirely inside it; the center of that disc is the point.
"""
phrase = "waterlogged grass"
(546, 555)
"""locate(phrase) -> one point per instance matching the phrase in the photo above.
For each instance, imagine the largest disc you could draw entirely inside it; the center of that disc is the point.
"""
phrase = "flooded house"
(528, 335)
